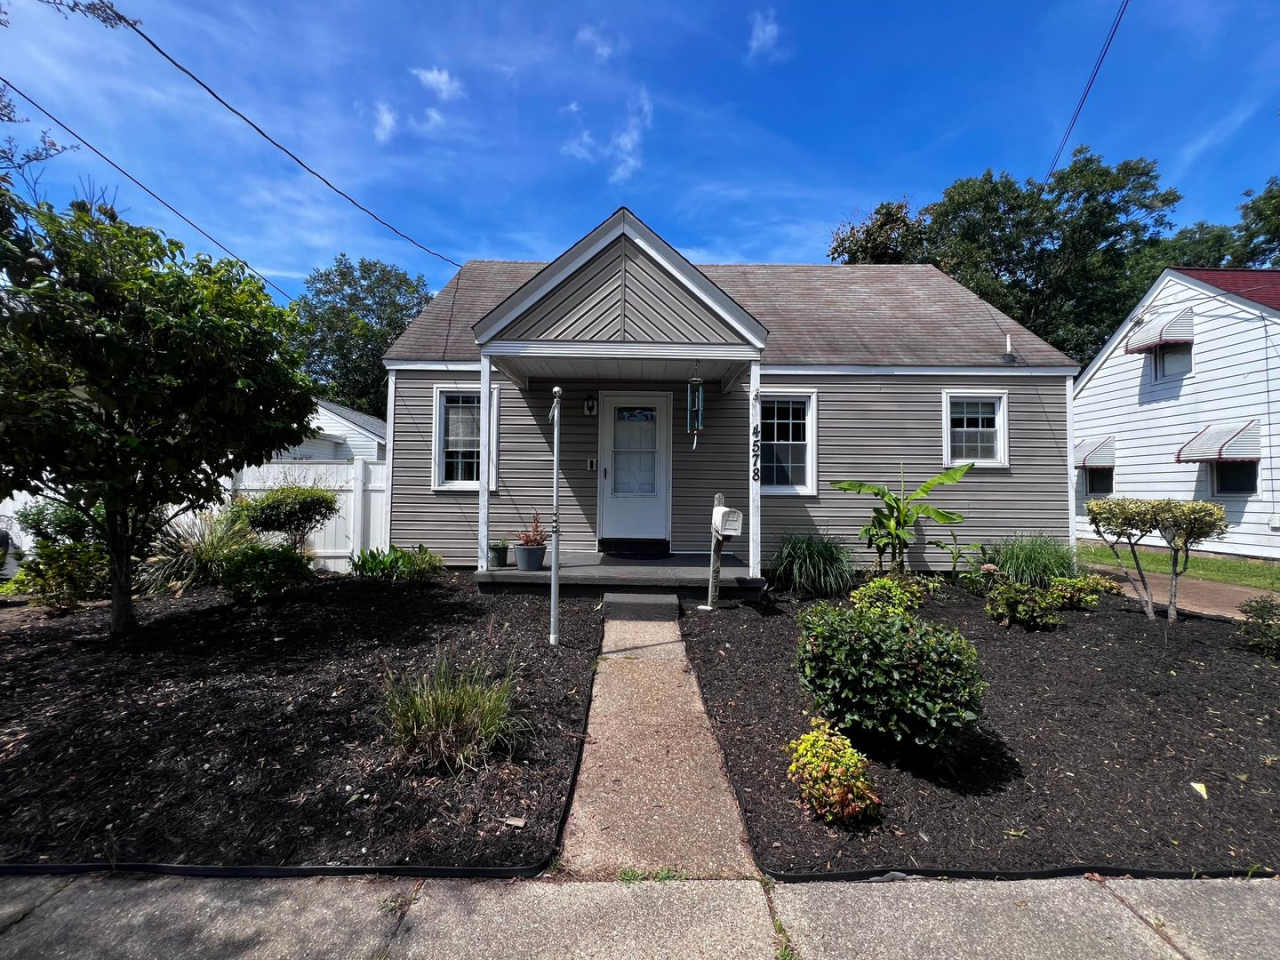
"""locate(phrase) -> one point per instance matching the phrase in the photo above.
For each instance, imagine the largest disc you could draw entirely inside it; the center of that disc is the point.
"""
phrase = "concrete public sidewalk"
(141, 918)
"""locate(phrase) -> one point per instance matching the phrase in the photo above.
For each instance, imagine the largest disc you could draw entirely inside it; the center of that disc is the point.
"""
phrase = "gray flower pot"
(530, 558)
(499, 556)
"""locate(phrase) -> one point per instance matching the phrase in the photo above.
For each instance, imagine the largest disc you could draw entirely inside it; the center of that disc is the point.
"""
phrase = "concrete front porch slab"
(143, 918)
(718, 920)
(1210, 919)
(1071, 919)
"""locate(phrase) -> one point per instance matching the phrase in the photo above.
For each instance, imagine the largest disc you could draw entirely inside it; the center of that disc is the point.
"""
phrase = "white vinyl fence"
(361, 521)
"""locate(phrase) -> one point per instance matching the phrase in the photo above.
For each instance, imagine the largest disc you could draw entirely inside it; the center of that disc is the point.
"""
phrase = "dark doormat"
(635, 549)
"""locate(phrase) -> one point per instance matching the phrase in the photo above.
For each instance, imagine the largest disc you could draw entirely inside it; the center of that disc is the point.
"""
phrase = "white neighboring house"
(1179, 404)
(344, 435)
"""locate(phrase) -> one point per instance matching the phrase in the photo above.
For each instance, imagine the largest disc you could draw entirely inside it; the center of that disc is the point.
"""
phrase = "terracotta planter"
(530, 558)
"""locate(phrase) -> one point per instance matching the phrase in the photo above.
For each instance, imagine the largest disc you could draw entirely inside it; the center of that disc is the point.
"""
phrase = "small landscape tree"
(1127, 520)
(1185, 525)
(132, 377)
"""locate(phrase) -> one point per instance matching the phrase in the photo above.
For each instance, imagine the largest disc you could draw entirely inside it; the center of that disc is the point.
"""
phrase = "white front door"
(635, 466)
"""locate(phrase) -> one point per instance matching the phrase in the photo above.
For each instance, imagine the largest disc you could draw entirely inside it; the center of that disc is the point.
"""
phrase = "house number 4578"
(755, 453)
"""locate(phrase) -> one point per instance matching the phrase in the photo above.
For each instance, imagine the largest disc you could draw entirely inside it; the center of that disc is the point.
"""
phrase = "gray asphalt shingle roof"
(902, 315)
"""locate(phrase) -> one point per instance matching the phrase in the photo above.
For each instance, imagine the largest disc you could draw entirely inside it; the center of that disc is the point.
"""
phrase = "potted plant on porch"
(532, 546)
(499, 553)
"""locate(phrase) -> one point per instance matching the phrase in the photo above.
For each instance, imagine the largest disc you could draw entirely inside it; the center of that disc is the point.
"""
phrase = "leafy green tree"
(1054, 256)
(1258, 235)
(133, 378)
(350, 315)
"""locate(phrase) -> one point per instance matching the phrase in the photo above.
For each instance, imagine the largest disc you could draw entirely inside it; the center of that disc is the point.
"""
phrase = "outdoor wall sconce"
(589, 407)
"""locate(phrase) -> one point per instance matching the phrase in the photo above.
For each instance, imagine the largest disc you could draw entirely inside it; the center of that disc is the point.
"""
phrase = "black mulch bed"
(1091, 739)
(225, 736)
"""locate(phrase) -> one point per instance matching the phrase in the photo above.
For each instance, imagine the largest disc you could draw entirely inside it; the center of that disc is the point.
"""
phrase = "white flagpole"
(556, 393)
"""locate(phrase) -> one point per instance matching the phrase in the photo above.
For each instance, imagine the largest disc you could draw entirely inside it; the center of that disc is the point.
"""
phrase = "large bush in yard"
(293, 511)
(133, 377)
(889, 676)
(259, 571)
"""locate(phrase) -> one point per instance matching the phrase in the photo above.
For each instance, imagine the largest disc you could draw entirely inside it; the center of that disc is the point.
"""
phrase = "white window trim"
(437, 446)
(1156, 365)
(810, 487)
(1002, 427)
(1219, 494)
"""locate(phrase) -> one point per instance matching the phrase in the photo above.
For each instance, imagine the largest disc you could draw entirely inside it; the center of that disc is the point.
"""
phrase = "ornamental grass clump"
(813, 566)
(831, 776)
(1033, 559)
(890, 676)
(453, 718)
(192, 550)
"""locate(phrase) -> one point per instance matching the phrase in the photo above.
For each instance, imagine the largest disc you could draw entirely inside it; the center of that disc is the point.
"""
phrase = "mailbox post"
(725, 523)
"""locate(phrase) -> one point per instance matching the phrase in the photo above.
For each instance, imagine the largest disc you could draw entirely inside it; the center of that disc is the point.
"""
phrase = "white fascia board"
(864, 370)
(623, 223)
(620, 350)
(456, 366)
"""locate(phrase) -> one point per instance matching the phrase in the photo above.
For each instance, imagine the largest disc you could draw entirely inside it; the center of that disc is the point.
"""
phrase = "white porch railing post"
(358, 541)
(486, 401)
(753, 467)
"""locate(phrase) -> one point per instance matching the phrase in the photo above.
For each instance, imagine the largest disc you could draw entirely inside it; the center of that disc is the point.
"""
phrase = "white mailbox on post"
(726, 521)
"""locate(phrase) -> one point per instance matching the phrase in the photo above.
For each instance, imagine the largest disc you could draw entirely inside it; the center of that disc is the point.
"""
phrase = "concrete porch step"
(641, 606)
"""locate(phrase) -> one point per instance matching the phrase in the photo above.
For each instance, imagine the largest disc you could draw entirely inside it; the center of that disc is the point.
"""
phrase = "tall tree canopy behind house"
(134, 378)
(350, 315)
(1068, 259)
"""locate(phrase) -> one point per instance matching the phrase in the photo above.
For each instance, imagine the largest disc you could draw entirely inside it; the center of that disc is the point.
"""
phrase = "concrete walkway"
(142, 918)
(652, 794)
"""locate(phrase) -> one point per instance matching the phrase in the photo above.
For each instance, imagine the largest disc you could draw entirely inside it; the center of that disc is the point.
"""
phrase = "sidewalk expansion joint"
(1153, 927)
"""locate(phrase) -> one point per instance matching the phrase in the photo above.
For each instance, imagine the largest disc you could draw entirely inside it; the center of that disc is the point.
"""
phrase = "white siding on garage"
(1235, 366)
(354, 442)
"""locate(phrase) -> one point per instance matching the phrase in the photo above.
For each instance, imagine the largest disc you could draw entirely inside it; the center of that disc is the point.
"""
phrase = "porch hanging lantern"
(693, 410)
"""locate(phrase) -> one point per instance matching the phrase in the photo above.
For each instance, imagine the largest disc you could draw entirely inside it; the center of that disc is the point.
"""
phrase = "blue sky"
(739, 132)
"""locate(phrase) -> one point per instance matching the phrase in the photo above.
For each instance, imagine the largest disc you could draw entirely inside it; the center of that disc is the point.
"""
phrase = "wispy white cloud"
(582, 147)
(1215, 135)
(384, 124)
(602, 46)
(572, 107)
(432, 121)
(440, 82)
(762, 42)
(625, 147)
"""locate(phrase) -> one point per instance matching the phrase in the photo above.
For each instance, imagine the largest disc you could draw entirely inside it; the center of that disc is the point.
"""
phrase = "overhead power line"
(1084, 95)
(282, 148)
(151, 193)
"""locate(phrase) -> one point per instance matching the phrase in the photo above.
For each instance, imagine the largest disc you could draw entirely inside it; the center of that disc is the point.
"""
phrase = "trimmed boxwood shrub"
(891, 676)
(291, 511)
(258, 571)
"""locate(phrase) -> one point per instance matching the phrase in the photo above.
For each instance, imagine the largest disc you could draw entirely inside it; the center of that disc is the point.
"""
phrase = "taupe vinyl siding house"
(811, 374)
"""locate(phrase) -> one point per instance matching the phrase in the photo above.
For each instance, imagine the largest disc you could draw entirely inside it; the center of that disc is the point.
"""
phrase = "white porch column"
(753, 467)
(482, 520)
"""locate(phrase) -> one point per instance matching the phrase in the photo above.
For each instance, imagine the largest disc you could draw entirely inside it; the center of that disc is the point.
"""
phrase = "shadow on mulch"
(220, 735)
(1090, 740)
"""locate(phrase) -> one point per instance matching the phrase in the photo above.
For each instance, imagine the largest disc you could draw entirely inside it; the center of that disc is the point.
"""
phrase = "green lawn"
(1247, 573)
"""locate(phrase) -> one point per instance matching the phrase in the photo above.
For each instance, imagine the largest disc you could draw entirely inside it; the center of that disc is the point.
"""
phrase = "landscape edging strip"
(251, 871)
(882, 874)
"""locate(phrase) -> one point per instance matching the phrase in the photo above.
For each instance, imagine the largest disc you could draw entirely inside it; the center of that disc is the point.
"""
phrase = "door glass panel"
(635, 451)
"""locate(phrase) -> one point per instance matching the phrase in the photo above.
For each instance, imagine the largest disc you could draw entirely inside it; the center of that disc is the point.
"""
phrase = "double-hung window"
(975, 428)
(456, 464)
(788, 441)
